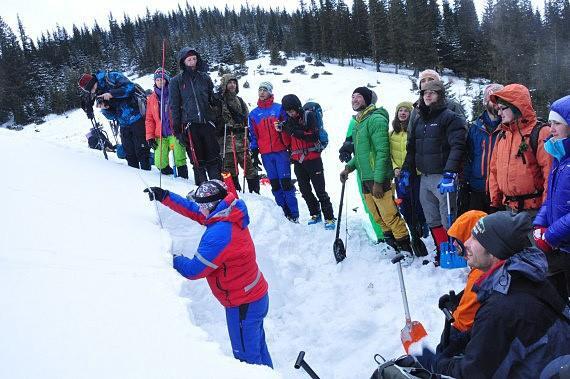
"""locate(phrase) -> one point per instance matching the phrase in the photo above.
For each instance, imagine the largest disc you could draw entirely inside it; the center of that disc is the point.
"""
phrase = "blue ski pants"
(278, 168)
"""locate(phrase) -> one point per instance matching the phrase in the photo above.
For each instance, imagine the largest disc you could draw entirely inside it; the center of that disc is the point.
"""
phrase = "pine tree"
(359, 30)
(397, 34)
(378, 21)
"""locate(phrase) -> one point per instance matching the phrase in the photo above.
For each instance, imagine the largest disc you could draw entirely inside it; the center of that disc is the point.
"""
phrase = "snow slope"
(86, 284)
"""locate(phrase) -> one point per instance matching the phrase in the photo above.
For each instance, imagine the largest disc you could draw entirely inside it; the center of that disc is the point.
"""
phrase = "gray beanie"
(503, 234)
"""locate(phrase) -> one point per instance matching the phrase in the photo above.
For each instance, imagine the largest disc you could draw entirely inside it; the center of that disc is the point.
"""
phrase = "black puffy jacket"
(191, 93)
(436, 140)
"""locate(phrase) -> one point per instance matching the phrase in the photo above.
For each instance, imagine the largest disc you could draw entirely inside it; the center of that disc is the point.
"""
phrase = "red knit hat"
(87, 81)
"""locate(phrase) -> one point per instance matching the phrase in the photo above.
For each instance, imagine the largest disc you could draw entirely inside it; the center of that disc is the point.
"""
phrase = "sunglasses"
(459, 247)
(502, 108)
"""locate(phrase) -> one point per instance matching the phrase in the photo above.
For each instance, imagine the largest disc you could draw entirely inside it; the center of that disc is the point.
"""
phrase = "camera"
(280, 125)
(102, 103)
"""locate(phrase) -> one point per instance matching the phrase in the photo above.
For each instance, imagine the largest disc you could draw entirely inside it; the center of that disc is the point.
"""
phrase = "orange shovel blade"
(411, 333)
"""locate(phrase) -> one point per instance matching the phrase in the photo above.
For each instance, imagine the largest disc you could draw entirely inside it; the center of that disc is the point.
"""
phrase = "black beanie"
(291, 102)
(366, 94)
(503, 234)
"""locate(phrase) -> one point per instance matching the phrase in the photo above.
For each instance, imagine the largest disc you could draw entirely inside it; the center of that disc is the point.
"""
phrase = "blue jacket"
(555, 211)
(480, 141)
(123, 107)
(521, 327)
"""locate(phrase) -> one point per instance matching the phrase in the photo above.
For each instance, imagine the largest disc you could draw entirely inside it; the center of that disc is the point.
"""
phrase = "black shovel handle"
(398, 258)
(300, 362)
(448, 316)
(340, 210)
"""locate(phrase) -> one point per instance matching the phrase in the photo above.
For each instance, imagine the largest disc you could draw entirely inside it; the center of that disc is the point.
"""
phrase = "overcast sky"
(41, 15)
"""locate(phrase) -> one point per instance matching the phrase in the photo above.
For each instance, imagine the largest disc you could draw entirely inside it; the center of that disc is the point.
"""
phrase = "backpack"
(405, 367)
(534, 134)
(323, 135)
(139, 95)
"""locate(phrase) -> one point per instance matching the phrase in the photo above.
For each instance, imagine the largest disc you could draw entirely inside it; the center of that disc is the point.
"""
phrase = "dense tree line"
(511, 43)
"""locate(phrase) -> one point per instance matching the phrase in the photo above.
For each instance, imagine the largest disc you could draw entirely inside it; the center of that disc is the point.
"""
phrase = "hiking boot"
(167, 170)
(294, 220)
(253, 185)
(330, 224)
(315, 219)
(182, 171)
(390, 240)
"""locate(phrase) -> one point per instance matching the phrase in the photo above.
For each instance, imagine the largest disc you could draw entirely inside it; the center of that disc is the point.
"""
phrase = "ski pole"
(194, 158)
(244, 159)
(235, 154)
(155, 205)
(300, 362)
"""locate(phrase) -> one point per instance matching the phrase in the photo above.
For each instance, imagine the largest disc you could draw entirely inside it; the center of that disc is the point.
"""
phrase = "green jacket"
(372, 145)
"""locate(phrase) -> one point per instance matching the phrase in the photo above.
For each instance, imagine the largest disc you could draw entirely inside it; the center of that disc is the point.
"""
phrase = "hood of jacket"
(225, 80)
(201, 65)
(519, 96)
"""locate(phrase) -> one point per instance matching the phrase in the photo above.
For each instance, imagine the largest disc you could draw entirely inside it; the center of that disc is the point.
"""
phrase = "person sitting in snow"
(522, 327)
(226, 258)
(301, 126)
(464, 305)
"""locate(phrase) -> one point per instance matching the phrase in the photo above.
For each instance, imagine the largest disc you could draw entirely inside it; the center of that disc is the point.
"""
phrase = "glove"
(540, 239)
(449, 301)
(255, 157)
(156, 193)
(152, 143)
(448, 183)
(344, 175)
(403, 182)
(345, 152)
(377, 190)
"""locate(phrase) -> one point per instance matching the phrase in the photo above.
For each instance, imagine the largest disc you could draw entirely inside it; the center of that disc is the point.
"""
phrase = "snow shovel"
(449, 258)
(338, 246)
(300, 362)
(413, 331)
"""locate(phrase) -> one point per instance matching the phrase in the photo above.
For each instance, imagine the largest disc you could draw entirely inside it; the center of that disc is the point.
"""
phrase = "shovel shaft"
(340, 210)
(404, 296)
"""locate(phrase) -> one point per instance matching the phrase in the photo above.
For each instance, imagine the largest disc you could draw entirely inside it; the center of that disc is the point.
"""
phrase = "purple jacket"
(555, 211)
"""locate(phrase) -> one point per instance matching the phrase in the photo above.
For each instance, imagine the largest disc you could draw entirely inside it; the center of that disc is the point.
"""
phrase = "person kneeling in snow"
(226, 258)
(522, 327)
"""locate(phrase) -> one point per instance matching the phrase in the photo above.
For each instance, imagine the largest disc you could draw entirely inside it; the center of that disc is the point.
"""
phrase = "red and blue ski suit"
(272, 146)
(226, 258)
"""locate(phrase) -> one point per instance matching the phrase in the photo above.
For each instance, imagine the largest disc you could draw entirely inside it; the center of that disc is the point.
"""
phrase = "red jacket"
(303, 132)
(152, 122)
(225, 255)
(262, 130)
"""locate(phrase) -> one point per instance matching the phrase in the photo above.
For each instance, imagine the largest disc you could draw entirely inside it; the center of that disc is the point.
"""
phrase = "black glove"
(450, 301)
(346, 151)
(156, 193)
(255, 157)
(152, 143)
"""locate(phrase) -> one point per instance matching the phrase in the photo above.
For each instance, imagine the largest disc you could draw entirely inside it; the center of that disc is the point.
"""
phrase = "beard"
(492, 110)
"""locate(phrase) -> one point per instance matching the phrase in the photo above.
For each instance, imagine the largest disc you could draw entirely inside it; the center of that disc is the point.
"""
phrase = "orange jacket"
(464, 314)
(509, 174)
(152, 122)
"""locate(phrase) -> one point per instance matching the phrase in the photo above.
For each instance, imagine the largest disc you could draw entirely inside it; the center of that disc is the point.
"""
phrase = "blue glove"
(403, 182)
(447, 183)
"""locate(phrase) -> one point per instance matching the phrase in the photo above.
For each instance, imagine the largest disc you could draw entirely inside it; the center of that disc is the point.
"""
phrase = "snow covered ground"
(86, 284)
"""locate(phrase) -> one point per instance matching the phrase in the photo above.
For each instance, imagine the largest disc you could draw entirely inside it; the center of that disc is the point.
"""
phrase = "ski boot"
(330, 224)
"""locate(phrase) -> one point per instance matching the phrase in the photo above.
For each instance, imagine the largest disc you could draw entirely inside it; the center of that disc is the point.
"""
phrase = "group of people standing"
(505, 160)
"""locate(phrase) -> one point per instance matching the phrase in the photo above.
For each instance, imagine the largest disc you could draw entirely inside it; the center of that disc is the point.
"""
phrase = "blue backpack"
(323, 135)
